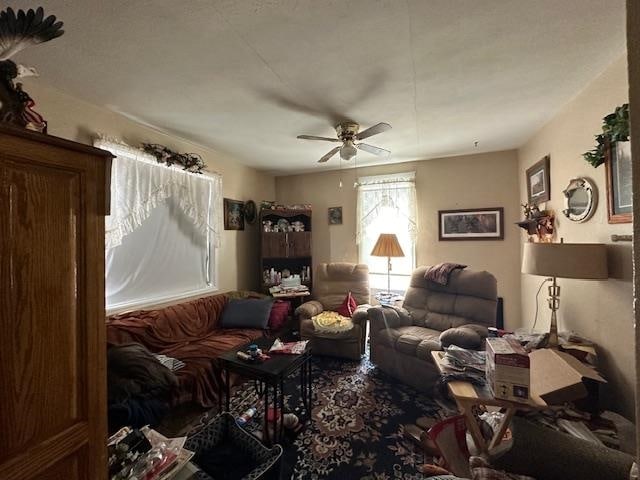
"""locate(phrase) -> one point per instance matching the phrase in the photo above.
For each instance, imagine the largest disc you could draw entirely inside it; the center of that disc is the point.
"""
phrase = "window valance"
(139, 184)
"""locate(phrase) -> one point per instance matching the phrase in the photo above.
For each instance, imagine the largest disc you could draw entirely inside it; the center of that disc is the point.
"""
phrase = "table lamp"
(387, 246)
(585, 261)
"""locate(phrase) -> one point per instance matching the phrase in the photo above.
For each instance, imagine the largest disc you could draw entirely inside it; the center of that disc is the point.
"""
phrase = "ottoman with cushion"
(432, 316)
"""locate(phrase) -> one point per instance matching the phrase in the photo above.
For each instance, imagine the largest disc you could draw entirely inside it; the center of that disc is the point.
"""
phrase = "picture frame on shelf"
(618, 182)
(335, 215)
(233, 214)
(471, 224)
(539, 181)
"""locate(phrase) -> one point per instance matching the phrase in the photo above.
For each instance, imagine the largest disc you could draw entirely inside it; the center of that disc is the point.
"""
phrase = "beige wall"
(601, 311)
(74, 119)
(485, 180)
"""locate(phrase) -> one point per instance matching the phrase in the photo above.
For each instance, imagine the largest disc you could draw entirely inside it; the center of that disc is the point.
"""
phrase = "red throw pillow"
(348, 306)
(279, 314)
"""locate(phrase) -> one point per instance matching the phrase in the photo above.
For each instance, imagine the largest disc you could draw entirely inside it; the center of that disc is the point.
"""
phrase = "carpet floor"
(356, 430)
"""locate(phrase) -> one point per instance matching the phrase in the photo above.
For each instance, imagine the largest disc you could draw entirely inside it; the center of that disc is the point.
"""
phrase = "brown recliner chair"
(332, 283)
(459, 313)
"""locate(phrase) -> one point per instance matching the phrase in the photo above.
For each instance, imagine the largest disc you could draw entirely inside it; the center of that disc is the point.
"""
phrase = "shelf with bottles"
(272, 276)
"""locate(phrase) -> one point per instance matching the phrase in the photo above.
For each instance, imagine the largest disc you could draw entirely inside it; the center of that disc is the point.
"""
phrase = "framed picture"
(539, 181)
(471, 224)
(250, 211)
(335, 215)
(619, 189)
(233, 214)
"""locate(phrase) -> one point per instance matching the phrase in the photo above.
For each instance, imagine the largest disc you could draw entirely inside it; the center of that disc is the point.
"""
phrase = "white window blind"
(163, 232)
(387, 204)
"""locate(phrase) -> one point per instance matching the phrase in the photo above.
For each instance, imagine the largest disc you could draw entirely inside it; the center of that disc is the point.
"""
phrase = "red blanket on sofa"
(189, 332)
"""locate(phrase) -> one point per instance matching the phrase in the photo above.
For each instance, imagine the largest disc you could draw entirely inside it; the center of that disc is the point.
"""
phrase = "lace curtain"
(380, 193)
(139, 184)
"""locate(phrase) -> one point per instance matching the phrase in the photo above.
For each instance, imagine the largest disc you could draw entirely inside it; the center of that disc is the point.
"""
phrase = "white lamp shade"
(587, 261)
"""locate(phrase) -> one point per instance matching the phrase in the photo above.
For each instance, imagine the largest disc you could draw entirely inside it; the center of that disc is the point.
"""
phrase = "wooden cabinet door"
(274, 245)
(299, 244)
(52, 341)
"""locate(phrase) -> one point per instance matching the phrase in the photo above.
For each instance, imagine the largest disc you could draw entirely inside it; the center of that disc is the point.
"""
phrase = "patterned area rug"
(357, 429)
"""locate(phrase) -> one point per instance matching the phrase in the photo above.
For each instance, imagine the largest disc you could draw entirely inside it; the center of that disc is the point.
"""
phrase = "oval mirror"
(580, 200)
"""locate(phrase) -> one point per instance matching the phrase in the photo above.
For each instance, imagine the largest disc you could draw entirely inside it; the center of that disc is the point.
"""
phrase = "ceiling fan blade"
(371, 131)
(381, 152)
(313, 137)
(328, 156)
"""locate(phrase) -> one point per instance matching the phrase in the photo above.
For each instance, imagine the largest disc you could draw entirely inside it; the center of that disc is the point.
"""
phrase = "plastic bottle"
(246, 417)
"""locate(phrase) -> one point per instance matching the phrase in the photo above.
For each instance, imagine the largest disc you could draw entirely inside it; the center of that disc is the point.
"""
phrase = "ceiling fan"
(348, 135)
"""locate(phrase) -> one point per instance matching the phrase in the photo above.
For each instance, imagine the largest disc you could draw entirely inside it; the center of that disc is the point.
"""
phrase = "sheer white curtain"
(387, 204)
(163, 231)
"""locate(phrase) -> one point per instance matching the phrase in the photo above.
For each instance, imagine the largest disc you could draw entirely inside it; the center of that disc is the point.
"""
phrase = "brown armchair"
(332, 283)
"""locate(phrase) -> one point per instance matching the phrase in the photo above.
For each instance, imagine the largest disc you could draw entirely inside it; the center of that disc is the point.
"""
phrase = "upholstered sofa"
(190, 332)
(332, 283)
(402, 339)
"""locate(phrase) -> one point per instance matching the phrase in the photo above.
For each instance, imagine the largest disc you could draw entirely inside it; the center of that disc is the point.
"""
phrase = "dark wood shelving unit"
(282, 250)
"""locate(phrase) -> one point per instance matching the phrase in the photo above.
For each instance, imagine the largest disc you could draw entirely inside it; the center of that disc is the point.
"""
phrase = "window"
(163, 232)
(387, 204)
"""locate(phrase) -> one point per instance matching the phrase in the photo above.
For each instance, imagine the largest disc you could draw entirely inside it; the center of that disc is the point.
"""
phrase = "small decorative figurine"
(17, 32)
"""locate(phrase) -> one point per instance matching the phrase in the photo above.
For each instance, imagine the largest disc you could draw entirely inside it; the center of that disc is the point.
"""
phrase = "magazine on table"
(289, 348)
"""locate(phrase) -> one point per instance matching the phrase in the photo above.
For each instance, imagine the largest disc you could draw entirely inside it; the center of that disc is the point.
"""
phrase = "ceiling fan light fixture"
(348, 150)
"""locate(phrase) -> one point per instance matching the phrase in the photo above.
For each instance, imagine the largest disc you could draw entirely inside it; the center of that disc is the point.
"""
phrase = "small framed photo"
(471, 224)
(539, 181)
(233, 214)
(619, 189)
(335, 215)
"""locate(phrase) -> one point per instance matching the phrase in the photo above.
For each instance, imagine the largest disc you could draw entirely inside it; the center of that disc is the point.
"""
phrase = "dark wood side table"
(270, 377)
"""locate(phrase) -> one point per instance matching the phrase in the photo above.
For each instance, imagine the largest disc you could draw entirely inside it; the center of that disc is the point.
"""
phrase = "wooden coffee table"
(467, 397)
(270, 377)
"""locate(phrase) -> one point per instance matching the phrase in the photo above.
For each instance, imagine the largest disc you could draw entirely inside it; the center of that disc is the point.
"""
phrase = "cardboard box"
(508, 369)
(557, 377)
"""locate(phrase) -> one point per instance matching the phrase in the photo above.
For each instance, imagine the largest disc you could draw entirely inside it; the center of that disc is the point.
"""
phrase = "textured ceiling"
(246, 76)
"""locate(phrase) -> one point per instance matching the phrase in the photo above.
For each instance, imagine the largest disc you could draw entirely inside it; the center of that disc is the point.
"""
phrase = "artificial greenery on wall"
(190, 162)
(615, 128)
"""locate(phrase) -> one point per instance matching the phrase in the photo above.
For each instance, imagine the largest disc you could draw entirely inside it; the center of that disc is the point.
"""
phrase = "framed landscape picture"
(539, 181)
(619, 190)
(471, 224)
(233, 214)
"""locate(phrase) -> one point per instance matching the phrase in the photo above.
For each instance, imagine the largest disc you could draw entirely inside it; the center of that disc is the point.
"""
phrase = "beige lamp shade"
(387, 246)
(587, 261)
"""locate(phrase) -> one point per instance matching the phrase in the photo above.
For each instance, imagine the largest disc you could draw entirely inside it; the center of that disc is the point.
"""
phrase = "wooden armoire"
(53, 199)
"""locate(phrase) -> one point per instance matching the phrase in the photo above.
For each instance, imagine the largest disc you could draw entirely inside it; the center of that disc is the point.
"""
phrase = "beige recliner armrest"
(381, 318)
(361, 314)
(309, 309)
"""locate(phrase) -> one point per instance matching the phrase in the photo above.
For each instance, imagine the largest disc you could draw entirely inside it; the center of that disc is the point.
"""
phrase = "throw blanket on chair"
(440, 273)
(331, 322)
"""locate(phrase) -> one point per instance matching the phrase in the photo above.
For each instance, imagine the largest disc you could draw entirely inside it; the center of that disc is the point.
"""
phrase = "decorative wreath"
(615, 128)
